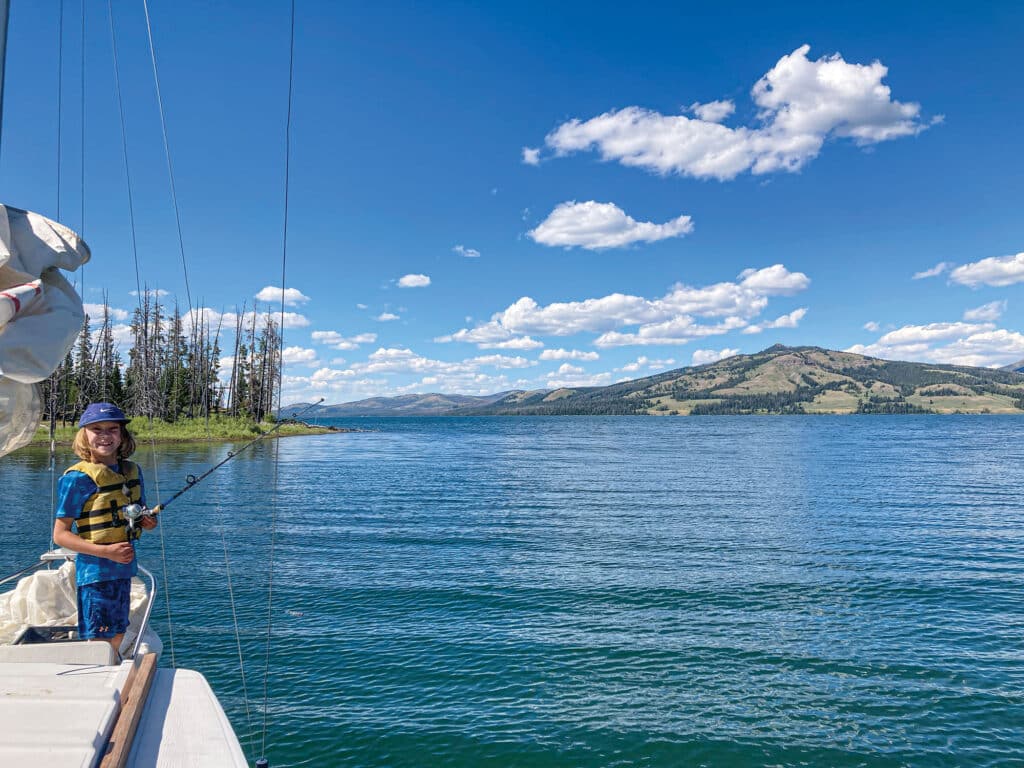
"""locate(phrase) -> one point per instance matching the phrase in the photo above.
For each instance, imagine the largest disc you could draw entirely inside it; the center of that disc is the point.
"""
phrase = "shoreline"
(219, 430)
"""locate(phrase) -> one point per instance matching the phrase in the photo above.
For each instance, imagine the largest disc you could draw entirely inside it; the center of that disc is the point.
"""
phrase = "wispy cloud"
(986, 312)
(531, 156)
(572, 376)
(385, 317)
(644, 363)
(935, 271)
(568, 354)
(335, 340)
(596, 226)
(469, 253)
(801, 104)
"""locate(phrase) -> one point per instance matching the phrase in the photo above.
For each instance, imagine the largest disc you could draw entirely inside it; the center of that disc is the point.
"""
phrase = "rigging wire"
(238, 639)
(147, 404)
(54, 378)
(81, 229)
(284, 262)
(60, 93)
(167, 152)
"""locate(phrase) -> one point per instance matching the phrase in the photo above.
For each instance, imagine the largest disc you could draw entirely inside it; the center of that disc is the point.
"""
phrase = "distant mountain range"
(779, 380)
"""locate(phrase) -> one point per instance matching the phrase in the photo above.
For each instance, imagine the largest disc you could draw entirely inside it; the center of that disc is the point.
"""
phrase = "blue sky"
(537, 195)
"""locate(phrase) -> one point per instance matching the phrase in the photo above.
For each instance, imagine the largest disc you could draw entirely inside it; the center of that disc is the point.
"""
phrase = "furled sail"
(40, 315)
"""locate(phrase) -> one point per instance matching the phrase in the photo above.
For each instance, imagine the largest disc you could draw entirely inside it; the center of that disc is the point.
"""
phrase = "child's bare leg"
(115, 641)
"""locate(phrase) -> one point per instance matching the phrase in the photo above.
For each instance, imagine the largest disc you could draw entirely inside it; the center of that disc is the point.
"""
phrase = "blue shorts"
(103, 608)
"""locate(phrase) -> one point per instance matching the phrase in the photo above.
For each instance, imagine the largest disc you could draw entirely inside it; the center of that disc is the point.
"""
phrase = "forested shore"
(176, 369)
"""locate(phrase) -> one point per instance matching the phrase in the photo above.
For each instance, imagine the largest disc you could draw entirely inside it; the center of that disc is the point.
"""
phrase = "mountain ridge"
(777, 380)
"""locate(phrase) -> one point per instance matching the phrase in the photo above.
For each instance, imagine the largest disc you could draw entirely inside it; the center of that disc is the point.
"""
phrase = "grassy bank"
(218, 428)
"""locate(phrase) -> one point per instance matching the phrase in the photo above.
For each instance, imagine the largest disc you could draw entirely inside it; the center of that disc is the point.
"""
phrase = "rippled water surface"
(599, 591)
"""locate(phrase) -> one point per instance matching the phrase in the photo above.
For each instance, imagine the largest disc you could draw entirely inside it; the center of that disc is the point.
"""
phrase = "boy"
(92, 495)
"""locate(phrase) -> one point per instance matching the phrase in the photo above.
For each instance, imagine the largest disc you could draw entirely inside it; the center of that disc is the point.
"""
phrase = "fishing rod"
(192, 481)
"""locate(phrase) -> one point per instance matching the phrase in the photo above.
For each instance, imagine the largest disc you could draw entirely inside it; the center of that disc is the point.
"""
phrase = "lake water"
(587, 591)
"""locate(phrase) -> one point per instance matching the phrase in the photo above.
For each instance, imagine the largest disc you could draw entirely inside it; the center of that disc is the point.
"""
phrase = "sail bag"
(40, 315)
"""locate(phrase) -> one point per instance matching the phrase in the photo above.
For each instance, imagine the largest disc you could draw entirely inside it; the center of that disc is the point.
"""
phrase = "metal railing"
(59, 554)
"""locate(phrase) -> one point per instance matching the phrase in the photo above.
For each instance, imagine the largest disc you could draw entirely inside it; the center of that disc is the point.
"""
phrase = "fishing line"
(191, 481)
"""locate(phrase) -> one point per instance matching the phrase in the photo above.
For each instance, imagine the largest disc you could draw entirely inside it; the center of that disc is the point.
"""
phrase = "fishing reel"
(132, 513)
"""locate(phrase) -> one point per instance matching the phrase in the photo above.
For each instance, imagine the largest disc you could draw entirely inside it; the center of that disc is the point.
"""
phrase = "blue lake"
(587, 591)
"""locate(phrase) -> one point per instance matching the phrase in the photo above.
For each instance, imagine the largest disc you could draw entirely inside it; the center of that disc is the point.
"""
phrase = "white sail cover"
(40, 315)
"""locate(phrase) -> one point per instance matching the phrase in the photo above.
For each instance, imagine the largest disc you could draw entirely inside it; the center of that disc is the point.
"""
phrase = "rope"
(138, 287)
(167, 153)
(284, 262)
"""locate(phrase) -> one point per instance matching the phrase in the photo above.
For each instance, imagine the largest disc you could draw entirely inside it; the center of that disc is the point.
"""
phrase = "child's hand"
(122, 552)
(147, 522)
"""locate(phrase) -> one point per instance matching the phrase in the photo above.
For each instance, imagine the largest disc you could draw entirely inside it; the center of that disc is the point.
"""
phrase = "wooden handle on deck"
(133, 699)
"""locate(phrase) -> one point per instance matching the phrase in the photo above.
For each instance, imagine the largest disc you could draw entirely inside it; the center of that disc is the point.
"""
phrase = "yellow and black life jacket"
(101, 521)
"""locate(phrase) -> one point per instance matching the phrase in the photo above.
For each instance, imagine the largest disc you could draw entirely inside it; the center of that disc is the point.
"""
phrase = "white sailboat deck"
(61, 715)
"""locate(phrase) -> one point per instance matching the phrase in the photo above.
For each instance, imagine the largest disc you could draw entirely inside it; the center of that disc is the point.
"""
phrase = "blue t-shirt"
(73, 489)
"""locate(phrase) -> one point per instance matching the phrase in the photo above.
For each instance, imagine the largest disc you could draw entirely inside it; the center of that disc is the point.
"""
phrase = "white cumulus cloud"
(413, 281)
(704, 356)
(292, 296)
(386, 317)
(957, 343)
(713, 111)
(670, 319)
(872, 326)
(996, 271)
(785, 321)
(597, 226)
(95, 312)
(801, 104)
(299, 355)
(531, 156)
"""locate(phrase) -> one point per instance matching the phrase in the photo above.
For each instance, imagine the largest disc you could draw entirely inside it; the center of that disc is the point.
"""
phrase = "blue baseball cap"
(102, 412)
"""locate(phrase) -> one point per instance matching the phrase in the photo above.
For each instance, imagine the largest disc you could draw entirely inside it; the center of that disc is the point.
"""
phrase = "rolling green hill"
(784, 380)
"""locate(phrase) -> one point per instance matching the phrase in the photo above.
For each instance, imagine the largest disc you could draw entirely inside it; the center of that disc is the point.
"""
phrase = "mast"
(5, 9)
